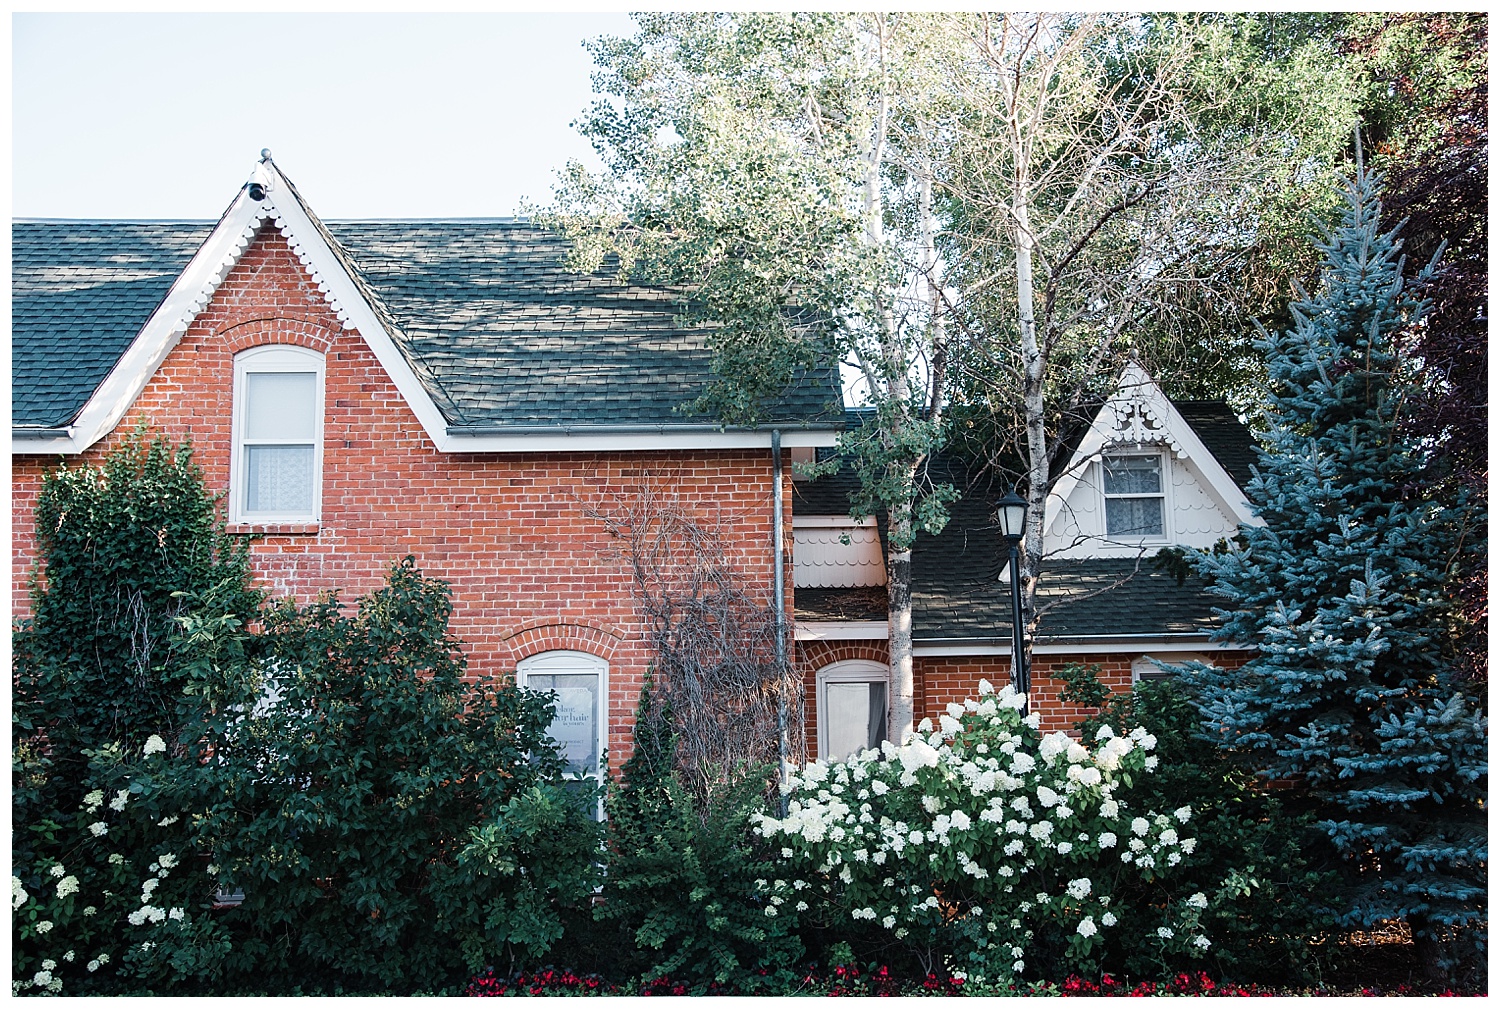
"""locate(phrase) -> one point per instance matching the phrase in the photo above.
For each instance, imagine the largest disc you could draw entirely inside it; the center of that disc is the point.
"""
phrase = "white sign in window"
(1134, 501)
(578, 683)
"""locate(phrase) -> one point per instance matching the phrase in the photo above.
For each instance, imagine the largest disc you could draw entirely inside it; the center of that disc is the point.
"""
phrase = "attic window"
(276, 469)
(1134, 499)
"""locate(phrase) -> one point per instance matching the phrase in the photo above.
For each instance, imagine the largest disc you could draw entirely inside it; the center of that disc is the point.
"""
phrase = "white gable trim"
(1139, 413)
(195, 288)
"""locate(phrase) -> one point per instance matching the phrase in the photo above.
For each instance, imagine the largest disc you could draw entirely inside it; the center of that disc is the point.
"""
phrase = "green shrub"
(390, 823)
(681, 874)
(1262, 866)
(104, 690)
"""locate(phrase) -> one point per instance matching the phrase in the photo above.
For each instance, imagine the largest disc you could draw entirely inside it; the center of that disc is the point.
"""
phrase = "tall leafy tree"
(783, 166)
(1352, 695)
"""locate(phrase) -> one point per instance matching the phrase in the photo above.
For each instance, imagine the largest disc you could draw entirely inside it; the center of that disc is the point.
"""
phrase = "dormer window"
(1134, 496)
(276, 470)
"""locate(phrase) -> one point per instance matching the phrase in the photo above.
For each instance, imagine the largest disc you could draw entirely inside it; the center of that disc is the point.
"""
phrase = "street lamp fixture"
(1011, 515)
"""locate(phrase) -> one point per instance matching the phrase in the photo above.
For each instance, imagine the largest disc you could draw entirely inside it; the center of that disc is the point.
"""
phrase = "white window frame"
(575, 663)
(1144, 668)
(259, 360)
(1164, 467)
(848, 671)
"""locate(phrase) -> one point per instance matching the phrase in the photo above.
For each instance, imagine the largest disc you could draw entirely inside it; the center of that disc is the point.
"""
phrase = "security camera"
(257, 191)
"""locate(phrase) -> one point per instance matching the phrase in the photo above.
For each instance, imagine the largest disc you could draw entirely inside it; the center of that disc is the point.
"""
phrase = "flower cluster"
(976, 834)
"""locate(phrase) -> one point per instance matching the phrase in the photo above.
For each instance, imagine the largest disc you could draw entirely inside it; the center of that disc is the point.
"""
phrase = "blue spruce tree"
(1351, 698)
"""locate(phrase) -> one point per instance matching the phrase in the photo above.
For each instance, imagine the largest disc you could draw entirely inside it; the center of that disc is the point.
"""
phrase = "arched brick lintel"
(593, 639)
(278, 329)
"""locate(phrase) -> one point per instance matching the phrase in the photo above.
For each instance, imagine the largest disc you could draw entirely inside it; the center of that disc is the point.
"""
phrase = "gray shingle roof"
(80, 291)
(493, 324)
(956, 589)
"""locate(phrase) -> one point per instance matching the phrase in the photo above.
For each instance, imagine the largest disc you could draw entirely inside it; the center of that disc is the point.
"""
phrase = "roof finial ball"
(265, 154)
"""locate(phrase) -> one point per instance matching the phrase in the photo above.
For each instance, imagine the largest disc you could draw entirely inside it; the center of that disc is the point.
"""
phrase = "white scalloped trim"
(304, 256)
(236, 250)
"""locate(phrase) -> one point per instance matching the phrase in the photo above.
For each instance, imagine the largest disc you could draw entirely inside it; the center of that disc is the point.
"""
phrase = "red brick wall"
(531, 570)
(941, 681)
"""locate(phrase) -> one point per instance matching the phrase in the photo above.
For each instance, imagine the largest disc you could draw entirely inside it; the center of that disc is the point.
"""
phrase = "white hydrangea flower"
(92, 965)
(1188, 844)
(889, 921)
(166, 861)
(1164, 932)
(1014, 847)
(1041, 830)
(1202, 942)
(42, 978)
(925, 725)
(985, 687)
(1046, 796)
(1018, 966)
(1105, 732)
(930, 803)
(1168, 836)
(155, 744)
(57, 871)
(1086, 927)
(1109, 808)
(960, 820)
(1107, 840)
(1108, 918)
(118, 802)
(18, 894)
(1151, 762)
(43, 927)
(879, 787)
(90, 911)
(802, 905)
(1183, 813)
(949, 726)
(93, 800)
(99, 828)
(1077, 754)
(1080, 888)
(1022, 763)
(1140, 825)
(1197, 900)
(67, 885)
(167, 821)
(1173, 858)
(1053, 744)
(770, 911)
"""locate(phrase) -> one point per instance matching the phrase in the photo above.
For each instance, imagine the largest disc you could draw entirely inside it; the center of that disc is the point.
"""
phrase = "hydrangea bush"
(986, 840)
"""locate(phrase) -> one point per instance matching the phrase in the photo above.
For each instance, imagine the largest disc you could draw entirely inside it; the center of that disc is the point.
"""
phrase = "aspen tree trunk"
(1033, 366)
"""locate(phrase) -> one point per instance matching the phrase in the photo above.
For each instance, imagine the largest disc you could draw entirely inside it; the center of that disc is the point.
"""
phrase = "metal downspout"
(778, 538)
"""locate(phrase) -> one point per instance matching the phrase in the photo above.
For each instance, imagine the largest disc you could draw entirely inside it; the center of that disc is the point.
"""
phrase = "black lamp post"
(1012, 517)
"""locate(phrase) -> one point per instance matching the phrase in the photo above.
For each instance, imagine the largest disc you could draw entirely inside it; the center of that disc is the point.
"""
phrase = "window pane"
(279, 406)
(1133, 516)
(1132, 474)
(576, 724)
(279, 479)
(855, 719)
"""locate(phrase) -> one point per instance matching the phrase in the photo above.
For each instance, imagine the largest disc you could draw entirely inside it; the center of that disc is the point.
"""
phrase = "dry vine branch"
(714, 641)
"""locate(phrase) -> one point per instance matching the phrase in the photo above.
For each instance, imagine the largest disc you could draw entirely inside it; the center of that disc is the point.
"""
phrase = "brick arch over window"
(593, 639)
(298, 331)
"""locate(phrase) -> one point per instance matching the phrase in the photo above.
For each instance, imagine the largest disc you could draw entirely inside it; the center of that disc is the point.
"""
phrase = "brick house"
(364, 390)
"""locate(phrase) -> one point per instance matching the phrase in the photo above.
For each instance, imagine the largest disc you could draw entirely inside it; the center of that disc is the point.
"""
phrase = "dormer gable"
(1141, 479)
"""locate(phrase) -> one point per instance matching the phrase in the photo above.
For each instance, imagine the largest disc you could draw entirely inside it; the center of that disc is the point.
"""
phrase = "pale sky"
(371, 115)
